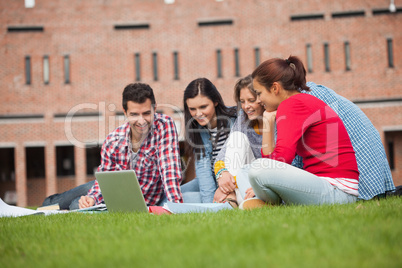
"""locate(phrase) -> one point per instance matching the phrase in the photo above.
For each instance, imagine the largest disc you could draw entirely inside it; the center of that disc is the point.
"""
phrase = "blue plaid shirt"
(375, 175)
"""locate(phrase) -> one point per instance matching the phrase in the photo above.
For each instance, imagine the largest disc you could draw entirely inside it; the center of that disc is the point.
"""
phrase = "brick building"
(64, 64)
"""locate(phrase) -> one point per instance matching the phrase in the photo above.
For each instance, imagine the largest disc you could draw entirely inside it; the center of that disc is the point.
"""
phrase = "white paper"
(13, 211)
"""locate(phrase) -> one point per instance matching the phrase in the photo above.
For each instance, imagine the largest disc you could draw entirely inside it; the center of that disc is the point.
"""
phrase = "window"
(215, 22)
(28, 70)
(93, 159)
(137, 67)
(347, 56)
(347, 14)
(237, 62)
(176, 65)
(137, 26)
(65, 160)
(390, 53)
(257, 56)
(67, 69)
(7, 165)
(219, 62)
(46, 69)
(307, 17)
(391, 155)
(326, 57)
(22, 29)
(155, 65)
(309, 58)
(35, 162)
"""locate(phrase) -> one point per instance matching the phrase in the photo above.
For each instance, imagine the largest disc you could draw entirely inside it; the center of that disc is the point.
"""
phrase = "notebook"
(121, 191)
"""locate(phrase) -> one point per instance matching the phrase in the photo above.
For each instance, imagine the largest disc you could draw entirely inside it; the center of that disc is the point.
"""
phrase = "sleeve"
(108, 163)
(291, 118)
(169, 161)
(206, 178)
(220, 158)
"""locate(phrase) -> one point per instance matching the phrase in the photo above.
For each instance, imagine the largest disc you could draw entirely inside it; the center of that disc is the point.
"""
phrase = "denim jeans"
(69, 199)
(190, 192)
(274, 181)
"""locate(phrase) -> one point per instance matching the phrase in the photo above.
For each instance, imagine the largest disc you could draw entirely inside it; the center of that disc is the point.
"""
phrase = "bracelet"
(219, 173)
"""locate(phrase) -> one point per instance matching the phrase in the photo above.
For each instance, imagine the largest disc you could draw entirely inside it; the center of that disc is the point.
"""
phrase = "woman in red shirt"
(305, 126)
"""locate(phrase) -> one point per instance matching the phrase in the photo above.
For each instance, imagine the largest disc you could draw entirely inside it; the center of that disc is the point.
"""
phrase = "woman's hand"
(268, 141)
(219, 196)
(269, 117)
(249, 193)
(226, 183)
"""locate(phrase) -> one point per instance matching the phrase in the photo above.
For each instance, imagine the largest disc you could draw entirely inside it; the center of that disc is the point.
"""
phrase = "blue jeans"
(69, 199)
(274, 181)
(190, 192)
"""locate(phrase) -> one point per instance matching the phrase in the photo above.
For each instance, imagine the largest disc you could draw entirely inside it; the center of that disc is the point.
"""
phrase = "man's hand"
(219, 196)
(86, 201)
(249, 193)
(227, 183)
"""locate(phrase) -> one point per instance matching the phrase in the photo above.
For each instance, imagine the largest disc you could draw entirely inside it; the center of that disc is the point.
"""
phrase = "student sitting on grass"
(243, 144)
(147, 143)
(375, 175)
(308, 127)
(208, 122)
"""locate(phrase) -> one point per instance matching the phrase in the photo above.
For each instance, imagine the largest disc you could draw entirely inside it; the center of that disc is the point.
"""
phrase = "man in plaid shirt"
(147, 143)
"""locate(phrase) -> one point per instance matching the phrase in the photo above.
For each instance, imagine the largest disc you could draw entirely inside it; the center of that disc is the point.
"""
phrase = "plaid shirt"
(375, 175)
(157, 163)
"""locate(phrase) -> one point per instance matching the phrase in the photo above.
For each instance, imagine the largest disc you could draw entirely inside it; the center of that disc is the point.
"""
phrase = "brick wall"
(102, 60)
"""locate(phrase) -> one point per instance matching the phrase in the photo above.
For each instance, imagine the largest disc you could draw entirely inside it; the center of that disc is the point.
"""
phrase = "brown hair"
(289, 72)
(245, 82)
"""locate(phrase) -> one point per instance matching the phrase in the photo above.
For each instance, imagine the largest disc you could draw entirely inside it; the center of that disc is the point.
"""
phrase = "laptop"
(121, 191)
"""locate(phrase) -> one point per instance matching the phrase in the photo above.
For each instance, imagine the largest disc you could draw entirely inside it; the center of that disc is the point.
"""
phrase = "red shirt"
(310, 128)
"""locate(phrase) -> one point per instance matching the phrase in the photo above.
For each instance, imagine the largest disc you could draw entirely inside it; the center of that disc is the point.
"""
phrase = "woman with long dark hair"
(208, 121)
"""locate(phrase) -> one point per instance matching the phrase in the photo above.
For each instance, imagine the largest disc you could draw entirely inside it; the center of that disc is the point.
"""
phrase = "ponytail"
(289, 72)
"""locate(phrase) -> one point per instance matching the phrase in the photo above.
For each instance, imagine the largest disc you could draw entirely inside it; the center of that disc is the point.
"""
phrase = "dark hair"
(204, 87)
(138, 93)
(289, 72)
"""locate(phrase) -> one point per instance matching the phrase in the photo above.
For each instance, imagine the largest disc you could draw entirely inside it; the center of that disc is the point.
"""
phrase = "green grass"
(365, 234)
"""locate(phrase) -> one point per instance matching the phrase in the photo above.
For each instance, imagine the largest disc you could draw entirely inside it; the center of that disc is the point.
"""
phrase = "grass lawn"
(364, 234)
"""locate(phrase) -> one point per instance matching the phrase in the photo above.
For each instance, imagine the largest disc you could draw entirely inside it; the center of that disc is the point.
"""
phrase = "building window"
(65, 160)
(7, 165)
(28, 70)
(155, 65)
(137, 67)
(46, 69)
(176, 65)
(237, 62)
(35, 162)
(93, 159)
(390, 53)
(391, 155)
(326, 57)
(309, 58)
(257, 56)
(219, 62)
(67, 69)
(347, 56)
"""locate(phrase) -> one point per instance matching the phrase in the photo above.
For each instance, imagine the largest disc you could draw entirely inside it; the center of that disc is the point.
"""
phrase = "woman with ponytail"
(308, 127)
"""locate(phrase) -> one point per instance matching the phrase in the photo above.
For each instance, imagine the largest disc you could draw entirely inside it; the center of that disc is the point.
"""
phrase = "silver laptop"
(121, 191)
